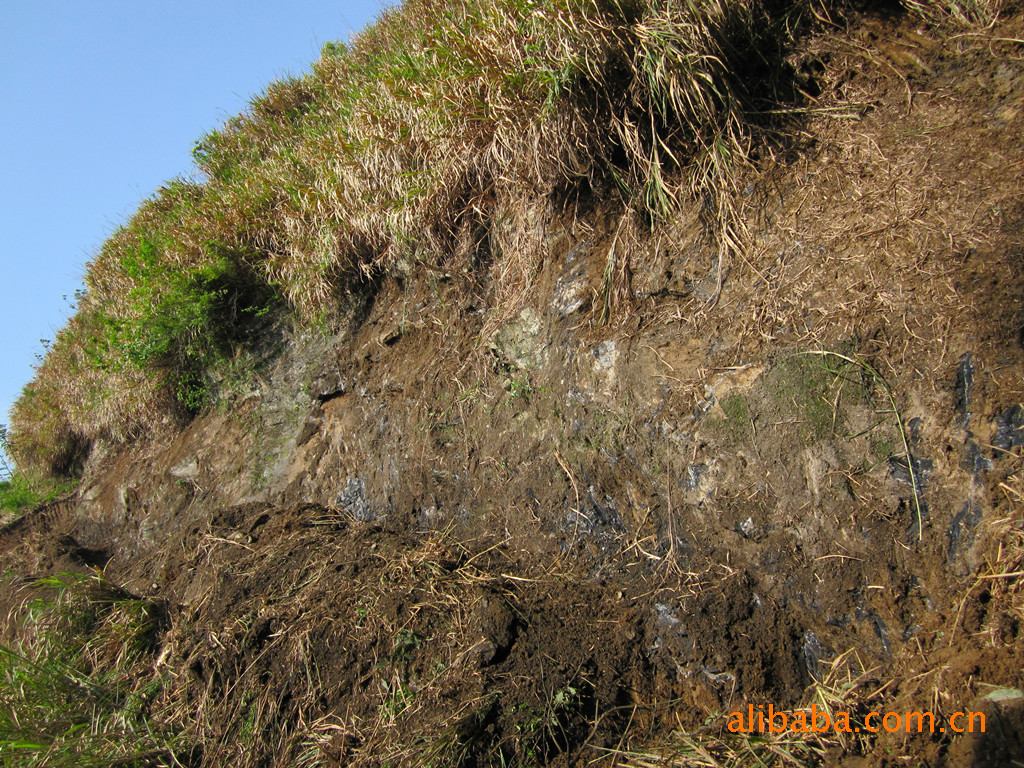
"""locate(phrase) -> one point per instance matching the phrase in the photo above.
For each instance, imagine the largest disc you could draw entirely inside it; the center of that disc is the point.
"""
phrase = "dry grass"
(844, 689)
(442, 132)
(399, 709)
(75, 689)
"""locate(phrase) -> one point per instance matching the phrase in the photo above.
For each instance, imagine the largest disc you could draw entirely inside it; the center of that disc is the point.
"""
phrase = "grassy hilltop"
(438, 124)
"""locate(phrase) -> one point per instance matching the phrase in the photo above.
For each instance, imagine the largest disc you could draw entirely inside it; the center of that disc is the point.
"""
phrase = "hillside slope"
(596, 431)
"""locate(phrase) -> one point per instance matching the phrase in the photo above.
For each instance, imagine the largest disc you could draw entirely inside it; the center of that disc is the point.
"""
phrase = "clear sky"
(101, 102)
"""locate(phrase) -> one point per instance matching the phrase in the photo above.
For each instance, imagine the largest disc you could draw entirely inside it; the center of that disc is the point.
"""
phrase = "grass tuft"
(75, 690)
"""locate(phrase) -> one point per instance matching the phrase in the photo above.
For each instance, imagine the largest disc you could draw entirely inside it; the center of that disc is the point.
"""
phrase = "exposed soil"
(560, 526)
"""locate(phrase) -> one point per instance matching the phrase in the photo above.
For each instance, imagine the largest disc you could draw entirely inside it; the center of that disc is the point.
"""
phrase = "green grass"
(18, 492)
(16, 495)
(76, 689)
(439, 121)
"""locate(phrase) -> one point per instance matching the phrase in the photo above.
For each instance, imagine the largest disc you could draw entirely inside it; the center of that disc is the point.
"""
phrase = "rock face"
(740, 486)
(518, 343)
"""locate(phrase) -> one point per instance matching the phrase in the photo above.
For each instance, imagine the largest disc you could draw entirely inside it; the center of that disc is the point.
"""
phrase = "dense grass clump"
(16, 494)
(435, 129)
(75, 690)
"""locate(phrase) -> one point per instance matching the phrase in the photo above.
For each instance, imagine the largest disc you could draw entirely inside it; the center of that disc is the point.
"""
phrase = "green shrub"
(180, 325)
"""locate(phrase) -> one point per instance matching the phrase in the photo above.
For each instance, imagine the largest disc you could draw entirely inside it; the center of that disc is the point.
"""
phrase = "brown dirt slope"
(649, 487)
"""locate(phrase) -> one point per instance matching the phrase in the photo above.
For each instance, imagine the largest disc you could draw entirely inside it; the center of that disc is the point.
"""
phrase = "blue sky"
(100, 104)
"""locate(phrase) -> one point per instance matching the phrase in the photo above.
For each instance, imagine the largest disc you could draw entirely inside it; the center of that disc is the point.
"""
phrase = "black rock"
(1009, 430)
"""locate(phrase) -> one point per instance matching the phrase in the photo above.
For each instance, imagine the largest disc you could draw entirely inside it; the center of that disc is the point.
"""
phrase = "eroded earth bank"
(652, 483)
